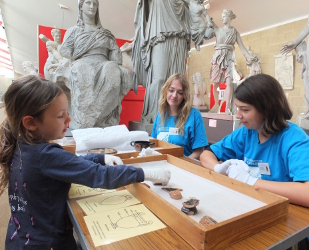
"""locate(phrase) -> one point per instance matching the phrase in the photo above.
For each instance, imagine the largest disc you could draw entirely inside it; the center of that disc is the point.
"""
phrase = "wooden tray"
(219, 235)
(160, 146)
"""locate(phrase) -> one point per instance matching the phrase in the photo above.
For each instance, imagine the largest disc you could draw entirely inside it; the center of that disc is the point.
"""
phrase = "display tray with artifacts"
(162, 147)
(157, 145)
(232, 210)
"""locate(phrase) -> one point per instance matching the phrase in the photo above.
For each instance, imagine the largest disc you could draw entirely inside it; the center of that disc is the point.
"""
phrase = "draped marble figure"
(96, 80)
(161, 44)
(223, 60)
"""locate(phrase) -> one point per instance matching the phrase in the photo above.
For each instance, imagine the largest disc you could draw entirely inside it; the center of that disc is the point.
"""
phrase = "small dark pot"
(139, 145)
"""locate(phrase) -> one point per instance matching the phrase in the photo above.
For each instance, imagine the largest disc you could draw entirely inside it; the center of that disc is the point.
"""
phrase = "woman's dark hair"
(29, 95)
(265, 93)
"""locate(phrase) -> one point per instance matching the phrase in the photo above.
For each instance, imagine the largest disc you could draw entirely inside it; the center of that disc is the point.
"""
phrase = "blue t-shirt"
(194, 135)
(286, 152)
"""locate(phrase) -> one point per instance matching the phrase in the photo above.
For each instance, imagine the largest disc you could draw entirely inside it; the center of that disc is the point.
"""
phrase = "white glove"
(222, 168)
(112, 160)
(148, 151)
(237, 172)
(157, 175)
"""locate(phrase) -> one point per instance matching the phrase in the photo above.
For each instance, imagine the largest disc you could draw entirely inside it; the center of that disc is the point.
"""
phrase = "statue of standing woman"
(97, 81)
(161, 44)
(223, 60)
(302, 50)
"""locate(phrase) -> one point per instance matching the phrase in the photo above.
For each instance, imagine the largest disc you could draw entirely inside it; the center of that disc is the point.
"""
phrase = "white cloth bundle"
(117, 137)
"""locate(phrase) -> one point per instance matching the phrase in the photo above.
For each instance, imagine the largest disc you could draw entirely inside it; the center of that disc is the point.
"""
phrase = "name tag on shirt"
(264, 168)
(173, 131)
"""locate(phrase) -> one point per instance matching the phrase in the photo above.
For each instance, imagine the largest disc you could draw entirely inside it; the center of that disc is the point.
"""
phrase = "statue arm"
(44, 38)
(243, 48)
(302, 35)
(208, 19)
(67, 47)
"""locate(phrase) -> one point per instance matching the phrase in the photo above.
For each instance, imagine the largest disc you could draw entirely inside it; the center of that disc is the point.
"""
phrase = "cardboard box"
(223, 233)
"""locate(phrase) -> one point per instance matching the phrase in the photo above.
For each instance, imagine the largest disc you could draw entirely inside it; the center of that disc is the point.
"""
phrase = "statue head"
(229, 14)
(28, 67)
(51, 45)
(56, 34)
(80, 21)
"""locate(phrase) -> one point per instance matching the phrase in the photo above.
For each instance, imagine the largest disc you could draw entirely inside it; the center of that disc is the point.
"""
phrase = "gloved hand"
(237, 172)
(148, 151)
(112, 160)
(157, 175)
(222, 168)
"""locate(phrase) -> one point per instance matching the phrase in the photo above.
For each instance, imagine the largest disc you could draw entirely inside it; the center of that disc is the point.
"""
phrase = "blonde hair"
(29, 95)
(184, 107)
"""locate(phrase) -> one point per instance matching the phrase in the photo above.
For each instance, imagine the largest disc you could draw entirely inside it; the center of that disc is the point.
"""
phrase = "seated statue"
(96, 80)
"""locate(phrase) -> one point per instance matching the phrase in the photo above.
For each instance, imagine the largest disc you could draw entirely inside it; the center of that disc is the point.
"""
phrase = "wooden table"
(280, 236)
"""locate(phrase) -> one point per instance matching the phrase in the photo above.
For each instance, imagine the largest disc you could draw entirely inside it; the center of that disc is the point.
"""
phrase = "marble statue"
(53, 60)
(253, 65)
(126, 51)
(160, 47)
(29, 68)
(302, 51)
(222, 62)
(56, 34)
(96, 80)
(199, 89)
(199, 29)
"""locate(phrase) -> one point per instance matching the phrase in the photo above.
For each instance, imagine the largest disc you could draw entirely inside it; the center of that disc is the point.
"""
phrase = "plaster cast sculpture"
(29, 68)
(56, 34)
(253, 65)
(200, 29)
(284, 70)
(199, 89)
(302, 51)
(223, 59)
(160, 48)
(126, 51)
(96, 80)
(53, 60)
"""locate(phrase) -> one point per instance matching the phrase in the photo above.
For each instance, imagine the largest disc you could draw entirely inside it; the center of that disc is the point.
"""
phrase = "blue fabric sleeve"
(97, 158)
(64, 166)
(231, 146)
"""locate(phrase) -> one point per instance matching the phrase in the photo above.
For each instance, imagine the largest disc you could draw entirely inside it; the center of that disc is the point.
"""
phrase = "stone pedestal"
(138, 126)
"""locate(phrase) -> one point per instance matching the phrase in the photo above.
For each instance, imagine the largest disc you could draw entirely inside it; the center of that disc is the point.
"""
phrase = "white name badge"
(173, 131)
(264, 168)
